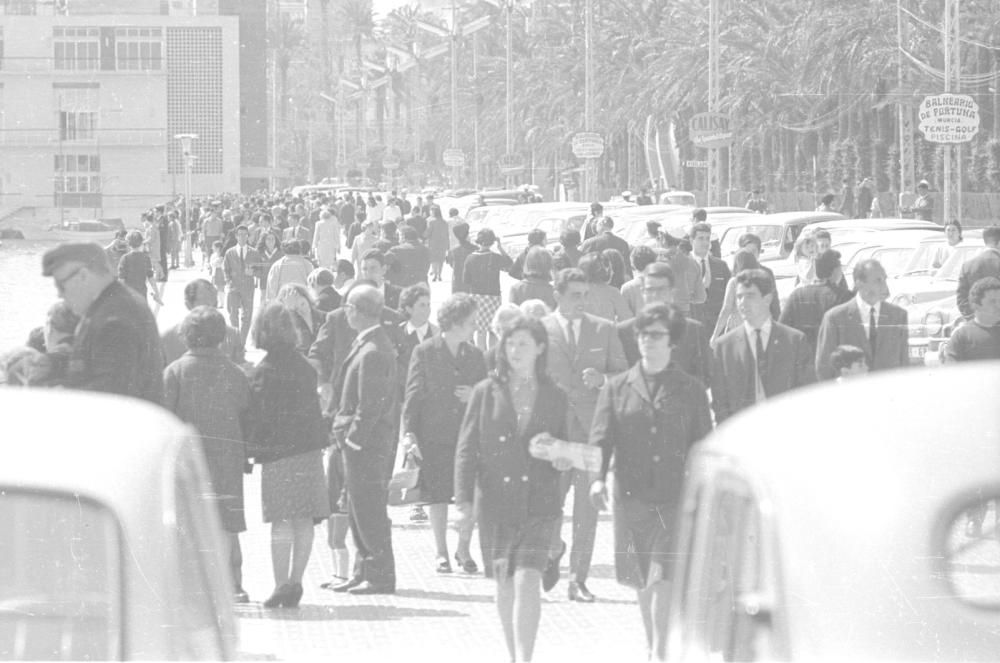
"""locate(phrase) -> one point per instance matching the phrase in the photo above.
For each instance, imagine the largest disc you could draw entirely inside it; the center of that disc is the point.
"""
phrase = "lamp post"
(188, 155)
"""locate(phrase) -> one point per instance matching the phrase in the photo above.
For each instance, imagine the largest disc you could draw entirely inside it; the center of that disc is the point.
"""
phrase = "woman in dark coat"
(208, 391)
(521, 501)
(537, 281)
(287, 439)
(270, 253)
(648, 418)
(481, 277)
(441, 374)
(438, 241)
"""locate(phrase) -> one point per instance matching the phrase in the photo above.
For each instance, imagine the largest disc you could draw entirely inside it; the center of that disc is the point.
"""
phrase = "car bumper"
(926, 351)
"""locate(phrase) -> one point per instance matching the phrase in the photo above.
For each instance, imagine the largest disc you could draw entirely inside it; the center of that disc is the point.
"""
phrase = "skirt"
(294, 488)
(336, 488)
(486, 308)
(644, 536)
(519, 545)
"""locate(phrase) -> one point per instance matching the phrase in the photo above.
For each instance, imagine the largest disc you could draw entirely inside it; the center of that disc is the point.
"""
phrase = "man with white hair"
(326, 239)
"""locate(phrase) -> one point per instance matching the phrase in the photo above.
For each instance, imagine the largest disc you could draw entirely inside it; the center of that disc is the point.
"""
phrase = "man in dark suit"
(867, 321)
(759, 359)
(374, 267)
(715, 275)
(606, 239)
(410, 259)
(117, 347)
(985, 264)
(691, 354)
(238, 266)
(584, 351)
(808, 303)
(364, 425)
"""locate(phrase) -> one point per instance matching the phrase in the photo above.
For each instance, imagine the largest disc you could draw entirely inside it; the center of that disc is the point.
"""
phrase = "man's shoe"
(347, 586)
(366, 589)
(550, 576)
(578, 592)
(241, 596)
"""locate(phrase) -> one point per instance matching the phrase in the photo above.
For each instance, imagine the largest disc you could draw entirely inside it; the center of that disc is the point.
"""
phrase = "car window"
(770, 238)
(199, 638)
(730, 238)
(952, 267)
(893, 260)
(60, 578)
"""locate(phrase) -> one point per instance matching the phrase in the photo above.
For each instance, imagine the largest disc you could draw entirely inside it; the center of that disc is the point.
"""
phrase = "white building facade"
(90, 105)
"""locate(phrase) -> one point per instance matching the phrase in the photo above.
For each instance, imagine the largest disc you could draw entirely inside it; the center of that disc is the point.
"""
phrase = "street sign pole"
(588, 109)
(508, 110)
(952, 204)
(907, 169)
(714, 184)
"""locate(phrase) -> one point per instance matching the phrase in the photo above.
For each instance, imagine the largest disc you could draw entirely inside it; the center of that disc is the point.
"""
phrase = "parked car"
(674, 219)
(777, 232)
(845, 542)
(933, 251)
(909, 290)
(111, 548)
(683, 198)
(931, 325)
(855, 229)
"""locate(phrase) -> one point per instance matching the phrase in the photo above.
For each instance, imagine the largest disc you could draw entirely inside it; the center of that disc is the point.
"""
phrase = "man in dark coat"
(117, 345)
(606, 239)
(715, 275)
(808, 303)
(985, 264)
(410, 259)
(364, 426)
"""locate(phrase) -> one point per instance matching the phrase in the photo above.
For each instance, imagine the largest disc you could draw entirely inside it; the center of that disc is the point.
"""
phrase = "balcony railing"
(102, 138)
(26, 65)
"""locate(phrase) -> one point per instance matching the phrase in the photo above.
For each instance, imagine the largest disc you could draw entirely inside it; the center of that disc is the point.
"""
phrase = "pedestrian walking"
(603, 300)
(269, 250)
(135, 269)
(326, 239)
(481, 277)
(205, 389)
(238, 267)
(441, 373)
(456, 256)
(200, 292)
(646, 420)
(292, 267)
(536, 282)
(808, 303)
(286, 438)
(521, 505)
(985, 264)
(438, 241)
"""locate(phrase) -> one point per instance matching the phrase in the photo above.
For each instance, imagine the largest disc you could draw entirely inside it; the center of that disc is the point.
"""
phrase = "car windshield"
(60, 580)
(770, 237)
(894, 260)
(924, 259)
(951, 268)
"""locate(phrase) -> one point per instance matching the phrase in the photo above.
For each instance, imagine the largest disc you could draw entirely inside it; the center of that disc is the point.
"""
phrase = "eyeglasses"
(61, 283)
(653, 335)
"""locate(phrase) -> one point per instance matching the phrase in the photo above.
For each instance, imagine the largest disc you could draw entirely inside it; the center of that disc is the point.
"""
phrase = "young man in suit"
(364, 425)
(691, 354)
(374, 267)
(866, 321)
(751, 242)
(985, 264)
(759, 359)
(715, 275)
(584, 351)
(238, 266)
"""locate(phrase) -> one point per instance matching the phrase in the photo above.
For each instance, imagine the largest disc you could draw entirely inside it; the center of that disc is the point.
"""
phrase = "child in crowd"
(848, 361)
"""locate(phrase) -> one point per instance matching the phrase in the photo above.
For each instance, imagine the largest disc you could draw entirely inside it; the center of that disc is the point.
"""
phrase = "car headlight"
(902, 300)
(934, 323)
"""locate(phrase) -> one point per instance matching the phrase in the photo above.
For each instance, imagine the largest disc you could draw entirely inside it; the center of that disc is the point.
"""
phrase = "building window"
(77, 173)
(194, 97)
(77, 125)
(78, 106)
(76, 48)
(20, 7)
(138, 49)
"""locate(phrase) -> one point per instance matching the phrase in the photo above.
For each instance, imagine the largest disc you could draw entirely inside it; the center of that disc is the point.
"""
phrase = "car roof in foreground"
(103, 446)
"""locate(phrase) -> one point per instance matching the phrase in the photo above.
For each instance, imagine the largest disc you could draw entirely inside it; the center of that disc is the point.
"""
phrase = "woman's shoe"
(294, 595)
(468, 566)
(444, 566)
(278, 596)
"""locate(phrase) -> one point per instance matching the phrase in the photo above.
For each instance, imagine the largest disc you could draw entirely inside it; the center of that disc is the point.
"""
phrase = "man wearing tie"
(584, 351)
(715, 275)
(759, 359)
(866, 321)
(238, 267)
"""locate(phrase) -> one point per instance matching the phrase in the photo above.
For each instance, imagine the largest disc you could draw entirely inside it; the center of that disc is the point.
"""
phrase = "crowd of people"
(637, 350)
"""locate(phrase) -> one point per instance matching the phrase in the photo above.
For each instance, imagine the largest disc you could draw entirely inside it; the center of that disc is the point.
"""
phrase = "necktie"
(871, 329)
(571, 337)
(761, 361)
(703, 268)
(706, 274)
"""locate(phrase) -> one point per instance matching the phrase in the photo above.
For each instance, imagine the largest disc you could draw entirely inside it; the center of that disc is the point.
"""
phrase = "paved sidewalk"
(431, 617)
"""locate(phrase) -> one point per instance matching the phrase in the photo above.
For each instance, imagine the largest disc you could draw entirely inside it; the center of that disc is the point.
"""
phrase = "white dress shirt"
(570, 327)
(422, 331)
(865, 309)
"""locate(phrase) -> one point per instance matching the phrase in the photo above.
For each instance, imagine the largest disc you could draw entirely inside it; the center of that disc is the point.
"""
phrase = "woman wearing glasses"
(648, 418)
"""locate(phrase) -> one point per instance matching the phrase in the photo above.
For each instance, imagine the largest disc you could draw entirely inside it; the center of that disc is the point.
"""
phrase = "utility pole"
(714, 183)
(588, 92)
(509, 76)
(952, 84)
(907, 168)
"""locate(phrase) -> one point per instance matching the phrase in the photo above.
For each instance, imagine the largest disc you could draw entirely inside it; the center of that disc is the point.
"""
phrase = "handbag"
(403, 487)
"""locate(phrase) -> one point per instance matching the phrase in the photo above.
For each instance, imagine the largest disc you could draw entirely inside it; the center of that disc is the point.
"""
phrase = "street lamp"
(189, 157)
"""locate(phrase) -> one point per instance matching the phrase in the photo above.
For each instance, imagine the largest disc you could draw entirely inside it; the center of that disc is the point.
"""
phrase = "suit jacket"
(842, 326)
(708, 312)
(367, 394)
(493, 454)
(788, 366)
(390, 294)
(404, 344)
(691, 355)
(609, 240)
(328, 299)
(599, 348)
(649, 438)
(806, 306)
(412, 261)
(240, 274)
(117, 347)
(985, 264)
(333, 343)
(301, 233)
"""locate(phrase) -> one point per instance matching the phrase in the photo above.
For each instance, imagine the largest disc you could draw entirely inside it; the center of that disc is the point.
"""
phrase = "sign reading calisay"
(949, 118)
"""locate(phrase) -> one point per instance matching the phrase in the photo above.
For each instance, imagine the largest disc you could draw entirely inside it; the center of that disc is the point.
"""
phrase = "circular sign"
(949, 118)
(711, 130)
(588, 145)
(391, 162)
(510, 164)
(453, 157)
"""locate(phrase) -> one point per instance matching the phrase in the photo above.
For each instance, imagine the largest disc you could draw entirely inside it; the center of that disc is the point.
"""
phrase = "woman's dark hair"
(642, 255)
(616, 261)
(827, 199)
(957, 225)
(455, 309)
(135, 239)
(485, 238)
(744, 260)
(595, 267)
(412, 294)
(461, 231)
(757, 277)
(203, 327)
(291, 247)
(262, 242)
(538, 263)
(345, 267)
(845, 356)
(537, 331)
(668, 315)
(274, 329)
